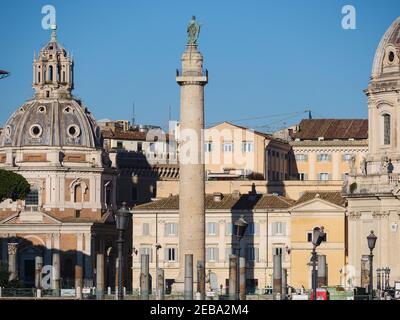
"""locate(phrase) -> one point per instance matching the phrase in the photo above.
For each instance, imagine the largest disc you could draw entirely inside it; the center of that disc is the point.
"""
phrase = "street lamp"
(318, 237)
(371, 245)
(4, 74)
(123, 217)
(240, 229)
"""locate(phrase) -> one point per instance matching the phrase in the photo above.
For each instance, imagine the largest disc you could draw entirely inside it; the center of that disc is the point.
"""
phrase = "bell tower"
(53, 70)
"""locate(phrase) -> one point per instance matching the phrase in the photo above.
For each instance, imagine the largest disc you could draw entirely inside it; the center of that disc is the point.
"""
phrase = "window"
(32, 200)
(212, 229)
(347, 157)
(73, 131)
(212, 254)
(323, 176)
(278, 228)
(171, 254)
(51, 73)
(139, 147)
(324, 157)
(252, 254)
(386, 129)
(147, 249)
(208, 146)
(247, 146)
(119, 145)
(228, 228)
(301, 157)
(302, 176)
(145, 229)
(391, 56)
(227, 147)
(152, 147)
(278, 251)
(35, 131)
(77, 213)
(171, 229)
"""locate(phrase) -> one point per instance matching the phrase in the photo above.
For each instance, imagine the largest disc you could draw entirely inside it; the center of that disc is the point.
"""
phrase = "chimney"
(236, 194)
(217, 196)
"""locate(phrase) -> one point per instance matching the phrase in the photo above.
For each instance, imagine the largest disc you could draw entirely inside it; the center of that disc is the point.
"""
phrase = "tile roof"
(334, 197)
(132, 135)
(123, 135)
(263, 134)
(329, 129)
(228, 202)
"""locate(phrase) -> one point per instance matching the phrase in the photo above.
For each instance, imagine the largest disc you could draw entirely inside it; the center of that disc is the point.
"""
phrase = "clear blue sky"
(264, 57)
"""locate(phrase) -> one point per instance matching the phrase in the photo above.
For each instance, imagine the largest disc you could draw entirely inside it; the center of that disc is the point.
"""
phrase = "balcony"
(371, 184)
(192, 73)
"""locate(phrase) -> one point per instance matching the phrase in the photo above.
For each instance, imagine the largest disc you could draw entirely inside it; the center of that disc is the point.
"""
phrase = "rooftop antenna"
(133, 113)
(309, 114)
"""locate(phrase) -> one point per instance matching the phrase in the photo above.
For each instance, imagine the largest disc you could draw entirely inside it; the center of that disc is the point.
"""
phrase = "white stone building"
(373, 194)
(53, 141)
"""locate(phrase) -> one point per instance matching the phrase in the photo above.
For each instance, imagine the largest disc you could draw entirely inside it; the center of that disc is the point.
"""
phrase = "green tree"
(13, 186)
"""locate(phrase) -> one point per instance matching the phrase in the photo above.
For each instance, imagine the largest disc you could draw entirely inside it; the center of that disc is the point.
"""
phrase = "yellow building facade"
(312, 210)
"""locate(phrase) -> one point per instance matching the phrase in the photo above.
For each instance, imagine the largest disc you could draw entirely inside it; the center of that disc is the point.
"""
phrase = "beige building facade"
(329, 149)
(233, 152)
(268, 234)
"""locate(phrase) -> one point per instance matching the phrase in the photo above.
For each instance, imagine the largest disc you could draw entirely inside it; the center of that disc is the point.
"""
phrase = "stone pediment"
(28, 217)
(316, 205)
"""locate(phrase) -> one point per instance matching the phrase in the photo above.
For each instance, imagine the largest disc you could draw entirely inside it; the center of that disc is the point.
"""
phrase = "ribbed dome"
(386, 59)
(53, 123)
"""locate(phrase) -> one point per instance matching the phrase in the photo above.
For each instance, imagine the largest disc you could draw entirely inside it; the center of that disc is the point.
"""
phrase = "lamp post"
(371, 245)
(123, 217)
(240, 228)
(318, 237)
(4, 74)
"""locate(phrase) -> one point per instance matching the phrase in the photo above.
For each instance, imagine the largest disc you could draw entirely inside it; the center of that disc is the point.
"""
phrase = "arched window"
(58, 73)
(38, 77)
(78, 193)
(51, 73)
(386, 129)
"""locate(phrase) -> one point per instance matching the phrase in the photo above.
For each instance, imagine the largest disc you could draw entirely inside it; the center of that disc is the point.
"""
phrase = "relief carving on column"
(12, 248)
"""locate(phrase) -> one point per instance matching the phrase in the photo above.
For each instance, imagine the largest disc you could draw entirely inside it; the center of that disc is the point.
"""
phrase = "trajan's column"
(192, 80)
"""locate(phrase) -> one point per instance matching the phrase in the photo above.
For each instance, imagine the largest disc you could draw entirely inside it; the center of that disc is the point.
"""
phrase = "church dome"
(387, 56)
(52, 123)
(53, 118)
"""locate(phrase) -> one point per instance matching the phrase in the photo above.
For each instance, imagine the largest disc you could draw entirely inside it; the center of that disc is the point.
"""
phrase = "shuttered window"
(212, 229)
(171, 229)
(212, 254)
(278, 228)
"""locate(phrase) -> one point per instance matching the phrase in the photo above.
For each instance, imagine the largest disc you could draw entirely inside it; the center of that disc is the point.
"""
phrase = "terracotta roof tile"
(329, 129)
(228, 202)
(334, 197)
